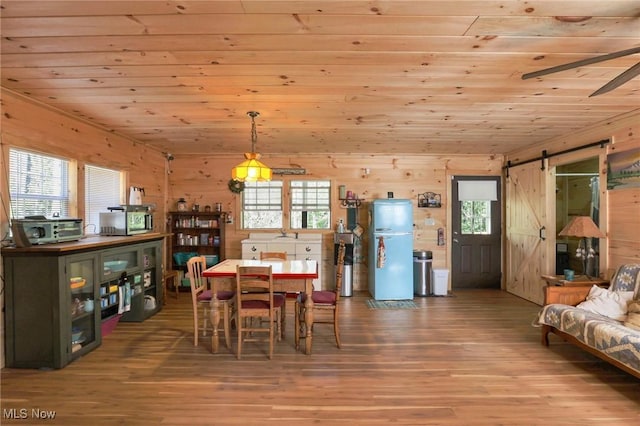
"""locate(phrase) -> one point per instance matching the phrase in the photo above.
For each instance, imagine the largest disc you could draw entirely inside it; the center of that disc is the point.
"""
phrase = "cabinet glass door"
(151, 275)
(117, 261)
(82, 305)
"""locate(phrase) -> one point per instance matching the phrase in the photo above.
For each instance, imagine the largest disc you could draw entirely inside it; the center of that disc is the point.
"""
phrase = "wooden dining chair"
(201, 299)
(273, 255)
(278, 255)
(255, 299)
(323, 300)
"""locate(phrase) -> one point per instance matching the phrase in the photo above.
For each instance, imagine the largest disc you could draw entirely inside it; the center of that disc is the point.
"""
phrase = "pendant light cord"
(254, 133)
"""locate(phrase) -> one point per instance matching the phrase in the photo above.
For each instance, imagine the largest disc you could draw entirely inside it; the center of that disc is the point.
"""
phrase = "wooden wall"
(620, 208)
(30, 126)
(203, 180)
(623, 207)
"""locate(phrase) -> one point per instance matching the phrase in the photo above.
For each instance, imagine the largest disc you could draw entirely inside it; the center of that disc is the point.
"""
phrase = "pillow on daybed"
(633, 319)
(612, 304)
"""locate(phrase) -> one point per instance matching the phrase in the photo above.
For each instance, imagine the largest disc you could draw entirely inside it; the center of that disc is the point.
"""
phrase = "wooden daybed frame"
(573, 296)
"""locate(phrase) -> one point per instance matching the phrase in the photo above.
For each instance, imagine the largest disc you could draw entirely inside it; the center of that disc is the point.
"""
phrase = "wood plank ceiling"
(441, 77)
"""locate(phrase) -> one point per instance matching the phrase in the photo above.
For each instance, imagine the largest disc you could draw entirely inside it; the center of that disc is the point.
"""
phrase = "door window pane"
(476, 217)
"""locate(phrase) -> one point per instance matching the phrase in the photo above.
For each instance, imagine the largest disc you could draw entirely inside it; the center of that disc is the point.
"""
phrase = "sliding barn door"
(526, 228)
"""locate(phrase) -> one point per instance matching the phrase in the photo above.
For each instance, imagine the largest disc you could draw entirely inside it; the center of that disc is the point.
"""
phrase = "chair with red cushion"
(279, 256)
(324, 300)
(255, 299)
(201, 299)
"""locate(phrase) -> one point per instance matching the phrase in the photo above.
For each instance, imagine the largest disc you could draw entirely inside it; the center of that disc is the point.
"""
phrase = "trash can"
(347, 272)
(440, 282)
(422, 260)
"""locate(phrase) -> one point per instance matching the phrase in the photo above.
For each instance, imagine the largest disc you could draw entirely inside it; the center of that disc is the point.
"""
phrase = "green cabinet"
(48, 323)
(57, 297)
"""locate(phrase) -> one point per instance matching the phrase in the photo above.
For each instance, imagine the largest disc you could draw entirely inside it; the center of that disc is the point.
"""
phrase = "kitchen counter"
(86, 243)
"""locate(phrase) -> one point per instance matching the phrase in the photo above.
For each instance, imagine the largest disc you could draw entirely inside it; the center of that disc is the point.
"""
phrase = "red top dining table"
(290, 276)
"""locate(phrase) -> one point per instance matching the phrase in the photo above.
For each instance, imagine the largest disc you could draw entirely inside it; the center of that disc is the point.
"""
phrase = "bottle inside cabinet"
(82, 304)
(149, 279)
(145, 293)
(109, 299)
(196, 234)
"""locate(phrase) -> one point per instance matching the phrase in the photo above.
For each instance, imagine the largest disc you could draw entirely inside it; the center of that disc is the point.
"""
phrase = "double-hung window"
(262, 205)
(102, 189)
(38, 185)
(310, 204)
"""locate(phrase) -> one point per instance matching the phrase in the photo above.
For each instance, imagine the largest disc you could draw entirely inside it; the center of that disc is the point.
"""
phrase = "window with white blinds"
(102, 190)
(310, 204)
(309, 200)
(38, 185)
(262, 205)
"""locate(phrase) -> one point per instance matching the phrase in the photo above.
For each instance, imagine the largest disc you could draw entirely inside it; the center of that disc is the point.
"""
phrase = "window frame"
(286, 205)
(319, 191)
(64, 181)
(91, 217)
(485, 218)
(262, 208)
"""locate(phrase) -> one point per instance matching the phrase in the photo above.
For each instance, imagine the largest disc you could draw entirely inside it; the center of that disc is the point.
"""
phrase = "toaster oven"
(40, 230)
(126, 220)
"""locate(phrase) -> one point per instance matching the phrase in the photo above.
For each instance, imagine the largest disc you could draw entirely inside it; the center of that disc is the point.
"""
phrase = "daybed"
(604, 322)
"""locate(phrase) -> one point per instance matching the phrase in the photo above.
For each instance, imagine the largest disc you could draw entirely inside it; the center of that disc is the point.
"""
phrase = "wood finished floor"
(471, 359)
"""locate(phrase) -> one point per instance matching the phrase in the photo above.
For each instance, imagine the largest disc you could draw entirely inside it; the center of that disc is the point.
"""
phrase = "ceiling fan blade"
(581, 63)
(632, 72)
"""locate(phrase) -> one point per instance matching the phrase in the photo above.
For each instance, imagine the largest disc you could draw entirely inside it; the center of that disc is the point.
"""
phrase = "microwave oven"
(40, 230)
(123, 221)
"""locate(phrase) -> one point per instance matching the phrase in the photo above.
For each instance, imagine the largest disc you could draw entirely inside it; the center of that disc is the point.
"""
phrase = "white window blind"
(310, 195)
(102, 190)
(477, 190)
(310, 204)
(38, 185)
(262, 205)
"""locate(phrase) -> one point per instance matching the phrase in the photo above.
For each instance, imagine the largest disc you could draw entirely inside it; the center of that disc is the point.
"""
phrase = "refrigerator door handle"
(383, 229)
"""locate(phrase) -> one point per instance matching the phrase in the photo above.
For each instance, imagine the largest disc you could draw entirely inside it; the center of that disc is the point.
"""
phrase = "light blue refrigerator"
(391, 249)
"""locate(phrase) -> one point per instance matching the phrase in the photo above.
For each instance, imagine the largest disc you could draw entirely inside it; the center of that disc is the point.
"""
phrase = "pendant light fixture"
(252, 170)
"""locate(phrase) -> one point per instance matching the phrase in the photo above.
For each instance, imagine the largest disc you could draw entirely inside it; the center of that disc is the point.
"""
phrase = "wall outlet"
(430, 221)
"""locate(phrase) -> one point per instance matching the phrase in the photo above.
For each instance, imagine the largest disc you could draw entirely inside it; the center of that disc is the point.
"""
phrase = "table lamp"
(583, 227)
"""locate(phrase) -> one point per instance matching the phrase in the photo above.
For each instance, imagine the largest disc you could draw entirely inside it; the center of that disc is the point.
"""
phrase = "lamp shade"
(581, 226)
(251, 170)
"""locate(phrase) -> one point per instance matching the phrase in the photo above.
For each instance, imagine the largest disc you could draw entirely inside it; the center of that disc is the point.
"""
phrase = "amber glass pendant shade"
(252, 169)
